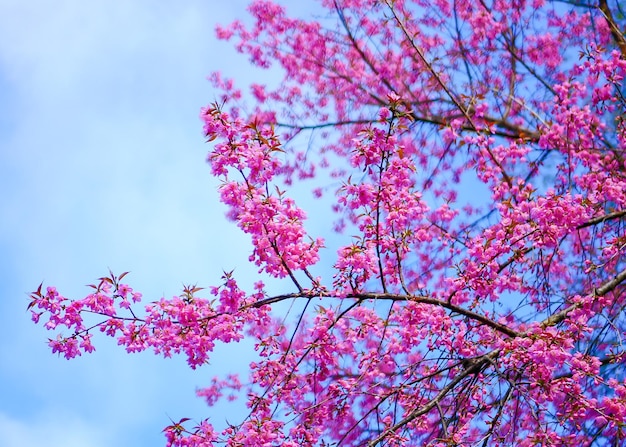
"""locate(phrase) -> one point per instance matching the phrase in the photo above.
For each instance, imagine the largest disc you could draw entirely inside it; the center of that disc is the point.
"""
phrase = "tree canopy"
(473, 157)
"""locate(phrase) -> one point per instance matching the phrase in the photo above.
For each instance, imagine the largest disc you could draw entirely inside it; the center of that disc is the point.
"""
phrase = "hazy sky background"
(102, 166)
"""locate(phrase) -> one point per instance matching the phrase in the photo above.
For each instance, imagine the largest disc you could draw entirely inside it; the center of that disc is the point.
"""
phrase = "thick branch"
(550, 321)
(398, 297)
(600, 291)
(474, 368)
(601, 219)
(615, 31)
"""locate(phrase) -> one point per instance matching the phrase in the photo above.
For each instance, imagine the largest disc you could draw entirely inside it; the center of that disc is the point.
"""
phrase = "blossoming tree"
(474, 155)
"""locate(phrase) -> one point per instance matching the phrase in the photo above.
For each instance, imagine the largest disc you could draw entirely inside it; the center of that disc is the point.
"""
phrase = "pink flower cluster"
(183, 324)
(260, 208)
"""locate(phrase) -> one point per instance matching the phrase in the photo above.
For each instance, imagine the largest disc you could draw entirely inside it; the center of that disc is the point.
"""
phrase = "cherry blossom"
(474, 156)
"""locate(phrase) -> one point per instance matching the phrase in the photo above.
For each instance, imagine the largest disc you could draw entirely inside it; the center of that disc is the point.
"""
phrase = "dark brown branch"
(605, 288)
(601, 219)
(475, 368)
(397, 297)
(550, 321)
(618, 37)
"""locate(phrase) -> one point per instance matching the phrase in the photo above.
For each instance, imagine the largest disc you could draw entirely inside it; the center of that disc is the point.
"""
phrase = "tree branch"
(396, 297)
(618, 37)
(474, 368)
(600, 291)
(601, 219)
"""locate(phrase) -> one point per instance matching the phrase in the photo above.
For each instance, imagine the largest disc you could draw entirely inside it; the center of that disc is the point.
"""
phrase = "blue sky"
(102, 166)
